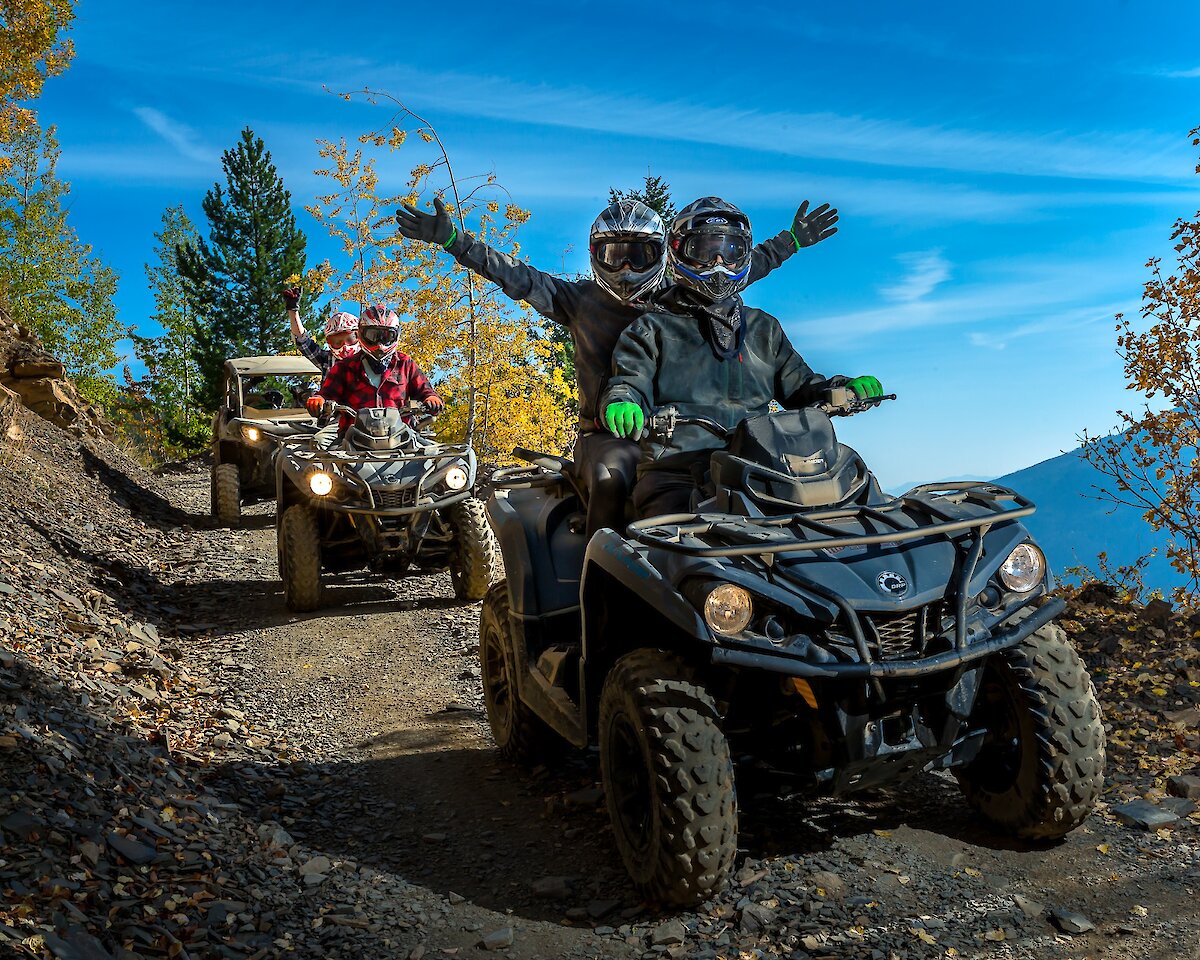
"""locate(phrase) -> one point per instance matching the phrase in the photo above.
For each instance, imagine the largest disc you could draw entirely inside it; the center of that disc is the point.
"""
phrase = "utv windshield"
(277, 396)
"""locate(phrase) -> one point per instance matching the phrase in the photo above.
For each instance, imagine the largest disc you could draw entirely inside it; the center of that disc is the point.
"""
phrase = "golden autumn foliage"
(1152, 461)
(487, 356)
(31, 49)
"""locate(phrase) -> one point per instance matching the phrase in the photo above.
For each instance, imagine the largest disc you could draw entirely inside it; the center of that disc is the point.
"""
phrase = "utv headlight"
(728, 609)
(1024, 568)
(456, 478)
(320, 483)
(253, 434)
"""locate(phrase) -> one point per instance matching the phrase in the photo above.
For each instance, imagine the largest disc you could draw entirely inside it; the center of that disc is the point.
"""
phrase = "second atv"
(799, 616)
(383, 495)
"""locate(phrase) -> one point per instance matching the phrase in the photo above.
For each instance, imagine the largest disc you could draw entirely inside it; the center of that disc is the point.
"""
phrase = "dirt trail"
(385, 767)
(380, 692)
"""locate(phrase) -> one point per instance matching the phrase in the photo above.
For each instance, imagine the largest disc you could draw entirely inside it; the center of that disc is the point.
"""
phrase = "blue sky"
(1002, 172)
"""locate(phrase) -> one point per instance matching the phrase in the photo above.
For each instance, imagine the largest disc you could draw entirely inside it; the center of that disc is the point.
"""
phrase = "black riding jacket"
(593, 315)
(669, 358)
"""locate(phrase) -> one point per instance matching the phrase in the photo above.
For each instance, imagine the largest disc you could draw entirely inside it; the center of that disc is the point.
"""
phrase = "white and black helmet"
(709, 249)
(628, 246)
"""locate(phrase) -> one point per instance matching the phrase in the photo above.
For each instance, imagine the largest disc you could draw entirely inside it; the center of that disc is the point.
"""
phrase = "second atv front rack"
(693, 534)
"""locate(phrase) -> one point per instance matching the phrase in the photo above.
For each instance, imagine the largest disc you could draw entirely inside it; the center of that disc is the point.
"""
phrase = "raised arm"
(808, 227)
(548, 295)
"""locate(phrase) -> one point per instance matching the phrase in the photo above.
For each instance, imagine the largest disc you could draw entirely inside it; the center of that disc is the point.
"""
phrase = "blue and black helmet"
(709, 248)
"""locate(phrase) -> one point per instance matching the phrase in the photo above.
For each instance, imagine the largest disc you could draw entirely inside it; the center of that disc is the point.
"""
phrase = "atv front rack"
(421, 501)
(694, 534)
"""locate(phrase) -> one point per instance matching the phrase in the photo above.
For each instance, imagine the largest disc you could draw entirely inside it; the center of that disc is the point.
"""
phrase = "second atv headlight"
(456, 478)
(320, 483)
(1024, 568)
(728, 609)
(253, 434)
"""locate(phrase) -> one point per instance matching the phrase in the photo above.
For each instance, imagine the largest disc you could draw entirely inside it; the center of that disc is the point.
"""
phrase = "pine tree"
(233, 279)
(655, 193)
(169, 386)
(54, 284)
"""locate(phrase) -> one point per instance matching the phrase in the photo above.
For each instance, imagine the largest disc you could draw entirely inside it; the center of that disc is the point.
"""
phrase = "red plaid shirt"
(402, 380)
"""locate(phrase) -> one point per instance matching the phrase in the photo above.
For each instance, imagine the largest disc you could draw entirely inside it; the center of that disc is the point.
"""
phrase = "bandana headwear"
(342, 322)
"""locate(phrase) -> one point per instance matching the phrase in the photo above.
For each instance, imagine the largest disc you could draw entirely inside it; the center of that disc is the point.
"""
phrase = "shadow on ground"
(465, 821)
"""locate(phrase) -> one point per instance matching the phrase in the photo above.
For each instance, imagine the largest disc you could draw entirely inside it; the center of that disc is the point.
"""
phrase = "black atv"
(801, 617)
(383, 494)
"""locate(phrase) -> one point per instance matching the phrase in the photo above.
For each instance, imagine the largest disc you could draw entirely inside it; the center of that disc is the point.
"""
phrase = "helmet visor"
(704, 248)
(378, 336)
(636, 254)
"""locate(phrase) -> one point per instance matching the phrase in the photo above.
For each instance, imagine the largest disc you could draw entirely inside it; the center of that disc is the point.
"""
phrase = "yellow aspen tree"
(492, 363)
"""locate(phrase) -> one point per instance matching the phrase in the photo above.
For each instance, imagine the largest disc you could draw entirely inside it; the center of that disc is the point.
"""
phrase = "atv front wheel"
(227, 494)
(668, 779)
(520, 733)
(300, 558)
(1041, 766)
(473, 556)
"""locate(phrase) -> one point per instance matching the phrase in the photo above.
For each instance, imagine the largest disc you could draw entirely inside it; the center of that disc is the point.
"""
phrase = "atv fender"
(626, 604)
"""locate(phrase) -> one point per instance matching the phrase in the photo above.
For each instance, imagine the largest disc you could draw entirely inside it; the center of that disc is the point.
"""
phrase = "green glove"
(865, 387)
(624, 419)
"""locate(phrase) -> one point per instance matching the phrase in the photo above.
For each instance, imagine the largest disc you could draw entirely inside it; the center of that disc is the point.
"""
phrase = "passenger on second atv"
(378, 375)
(702, 350)
(341, 334)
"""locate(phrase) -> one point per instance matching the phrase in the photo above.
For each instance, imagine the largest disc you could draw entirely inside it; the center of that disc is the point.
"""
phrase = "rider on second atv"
(702, 350)
(627, 245)
(341, 334)
(377, 375)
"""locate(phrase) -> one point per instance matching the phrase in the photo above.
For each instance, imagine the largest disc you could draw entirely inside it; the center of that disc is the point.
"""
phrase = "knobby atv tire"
(668, 779)
(227, 494)
(473, 557)
(1041, 767)
(300, 558)
(520, 734)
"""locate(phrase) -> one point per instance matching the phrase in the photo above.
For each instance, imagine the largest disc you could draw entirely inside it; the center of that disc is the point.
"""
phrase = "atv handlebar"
(844, 402)
(841, 402)
(411, 409)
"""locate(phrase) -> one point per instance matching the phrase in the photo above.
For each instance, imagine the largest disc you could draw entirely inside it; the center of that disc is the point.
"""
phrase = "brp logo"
(716, 220)
(891, 582)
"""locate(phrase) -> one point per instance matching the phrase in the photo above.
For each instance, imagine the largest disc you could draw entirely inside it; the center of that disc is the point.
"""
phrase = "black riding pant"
(608, 468)
(669, 489)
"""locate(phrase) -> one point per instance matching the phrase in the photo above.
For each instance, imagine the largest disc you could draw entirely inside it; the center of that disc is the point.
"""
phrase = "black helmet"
(702, 232)
(627, 245)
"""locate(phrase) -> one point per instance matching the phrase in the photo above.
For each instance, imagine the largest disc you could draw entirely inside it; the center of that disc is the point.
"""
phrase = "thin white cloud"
(1191, 74)
(925, 272)
(992, 313)
(180, 136)
(1142, 156)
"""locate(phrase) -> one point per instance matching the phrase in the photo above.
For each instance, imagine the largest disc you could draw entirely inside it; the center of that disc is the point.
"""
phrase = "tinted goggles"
(638, 254)
(378, 336)
(706, 247)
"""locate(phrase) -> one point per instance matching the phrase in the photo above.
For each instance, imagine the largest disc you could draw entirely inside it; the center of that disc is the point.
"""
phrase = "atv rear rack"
(815, 530)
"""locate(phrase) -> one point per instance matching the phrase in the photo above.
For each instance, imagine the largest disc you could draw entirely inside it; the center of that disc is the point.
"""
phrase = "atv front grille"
(901, 636)
(394, 499)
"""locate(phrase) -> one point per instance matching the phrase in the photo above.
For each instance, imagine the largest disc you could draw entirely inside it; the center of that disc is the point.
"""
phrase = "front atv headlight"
(253, 434)
(456, 478)
(728, 609)
(1024, 568)
(320, 483)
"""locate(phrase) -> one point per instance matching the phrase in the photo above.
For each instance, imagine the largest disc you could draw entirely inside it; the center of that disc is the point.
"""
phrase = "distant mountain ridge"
(1073, 527)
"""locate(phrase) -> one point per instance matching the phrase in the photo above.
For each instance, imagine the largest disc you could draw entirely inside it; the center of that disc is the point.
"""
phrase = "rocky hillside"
(188, 770)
